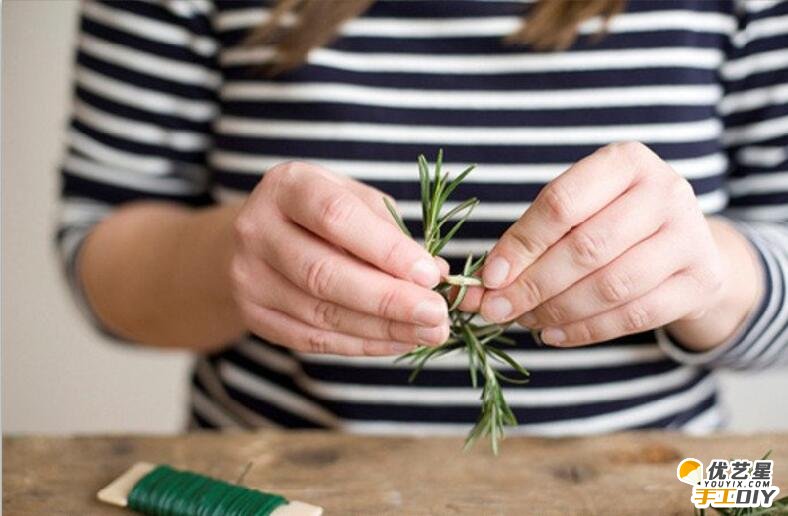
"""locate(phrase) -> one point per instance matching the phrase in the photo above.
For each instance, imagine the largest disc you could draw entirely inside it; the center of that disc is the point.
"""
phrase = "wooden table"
(631, 473)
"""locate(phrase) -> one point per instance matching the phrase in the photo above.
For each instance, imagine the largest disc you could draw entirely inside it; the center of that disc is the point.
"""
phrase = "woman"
(645, 266)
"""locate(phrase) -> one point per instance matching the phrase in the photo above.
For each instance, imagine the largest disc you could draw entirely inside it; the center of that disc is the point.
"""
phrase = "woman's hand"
(321, 267)
(618, 245)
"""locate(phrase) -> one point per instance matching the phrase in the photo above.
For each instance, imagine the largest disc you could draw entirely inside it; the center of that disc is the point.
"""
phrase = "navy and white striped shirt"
(169, 104)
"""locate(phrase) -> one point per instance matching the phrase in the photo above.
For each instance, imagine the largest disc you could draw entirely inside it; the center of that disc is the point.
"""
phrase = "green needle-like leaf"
(445, 240)
(438, 165)
(463, 206)
(424, 180)
(397, 218)
(456, 182)
(463, 290)
(509, 360)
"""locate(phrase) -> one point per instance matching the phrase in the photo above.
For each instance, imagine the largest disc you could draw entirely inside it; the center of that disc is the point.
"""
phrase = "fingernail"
(401, 347)
(528, 319)
(553, 336)
(425, 272)
(498, 308)
(495, 272)
(430, 313)
(432, 336)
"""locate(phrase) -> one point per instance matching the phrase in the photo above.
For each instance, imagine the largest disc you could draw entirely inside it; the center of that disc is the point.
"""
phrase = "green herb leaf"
(397, 218)
(463, 206)
(445, 240)
(456, 182)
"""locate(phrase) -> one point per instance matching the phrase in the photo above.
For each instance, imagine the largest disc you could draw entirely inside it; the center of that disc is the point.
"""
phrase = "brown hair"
(548, 25)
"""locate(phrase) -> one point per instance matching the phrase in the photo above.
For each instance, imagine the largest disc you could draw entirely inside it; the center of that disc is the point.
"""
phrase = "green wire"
(166, 491)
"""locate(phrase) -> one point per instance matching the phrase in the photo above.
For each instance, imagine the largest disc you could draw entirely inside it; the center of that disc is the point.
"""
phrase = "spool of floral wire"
(160, 490)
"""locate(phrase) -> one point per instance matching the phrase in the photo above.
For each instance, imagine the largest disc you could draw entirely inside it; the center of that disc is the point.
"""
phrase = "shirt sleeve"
(144, 95)
(754, 109)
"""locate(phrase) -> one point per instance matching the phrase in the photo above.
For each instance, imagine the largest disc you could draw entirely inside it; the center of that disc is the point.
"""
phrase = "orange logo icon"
(690, 471)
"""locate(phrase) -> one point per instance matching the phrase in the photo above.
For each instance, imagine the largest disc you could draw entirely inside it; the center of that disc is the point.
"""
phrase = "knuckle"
(681, 189)
(288, 168)
(336, 211)
(610, 151)
(320, 276)
(631, 147)
(318, 342)
(636, 318)
(521, 240)
(614, 288)
(284, 172)
(245, 229)
(587, 248)
(398, 332)
(614, 151)
(629, 152)
(558, 201)
(326, 314)
(683, 204)
(395, 251)
(294, 164)
(626, 149)
(387, 303)
(390, 330)
(584, 332)
(370, 348)
(288, 175)
(553, 312)
(533, 292)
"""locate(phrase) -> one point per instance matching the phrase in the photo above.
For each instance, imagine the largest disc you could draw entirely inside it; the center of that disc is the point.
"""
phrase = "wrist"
(737, 297)
(212, 230)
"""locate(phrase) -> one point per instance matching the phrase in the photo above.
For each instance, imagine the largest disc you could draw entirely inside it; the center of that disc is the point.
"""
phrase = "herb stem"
(478, 341)
(460, 280)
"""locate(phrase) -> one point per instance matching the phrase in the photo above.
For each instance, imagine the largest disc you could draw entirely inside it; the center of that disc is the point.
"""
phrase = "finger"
(328, 274)
(571, 198)
(670, 301)
(631, 218)
(628, 277)
(473, 300)
(280, 294)
(373, 198)
(443, 266)
(466, 304)
(339, 216)
(284, 330)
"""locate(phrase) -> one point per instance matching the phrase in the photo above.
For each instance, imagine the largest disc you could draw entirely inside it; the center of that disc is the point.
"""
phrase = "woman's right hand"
(319, 266)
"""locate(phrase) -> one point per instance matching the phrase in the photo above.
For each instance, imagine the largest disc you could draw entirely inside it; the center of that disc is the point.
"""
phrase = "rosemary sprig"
(439, 226)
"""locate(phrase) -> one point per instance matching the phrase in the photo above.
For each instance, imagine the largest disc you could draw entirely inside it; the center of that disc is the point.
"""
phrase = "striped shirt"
(169, 104)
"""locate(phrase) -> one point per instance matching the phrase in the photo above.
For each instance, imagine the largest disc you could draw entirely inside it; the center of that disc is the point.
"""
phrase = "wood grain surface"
(628, 473)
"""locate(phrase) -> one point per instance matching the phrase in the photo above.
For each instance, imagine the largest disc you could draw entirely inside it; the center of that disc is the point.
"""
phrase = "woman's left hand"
(615, 245)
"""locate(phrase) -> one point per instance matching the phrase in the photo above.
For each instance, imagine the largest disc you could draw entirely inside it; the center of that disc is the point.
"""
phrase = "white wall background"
(58, 376)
